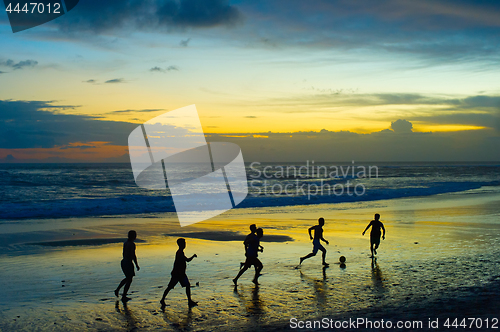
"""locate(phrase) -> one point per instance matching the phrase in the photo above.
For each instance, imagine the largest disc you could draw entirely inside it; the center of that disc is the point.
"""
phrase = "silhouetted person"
(252, 245)
(249, 237)
(179, 274)
(127, 263)
(376, 225)
(318, 235)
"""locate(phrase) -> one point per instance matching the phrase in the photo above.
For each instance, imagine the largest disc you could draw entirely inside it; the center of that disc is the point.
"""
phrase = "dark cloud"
(437, 31)
(2, 72)
(401, 126)
(115, 80)
(481, 102)
(39, 124)
(184, 43)
(164, 70)
(20, 65)
(90, 81)
(148, 15)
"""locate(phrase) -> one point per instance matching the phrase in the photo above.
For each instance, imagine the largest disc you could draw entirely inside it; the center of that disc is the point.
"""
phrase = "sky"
(286, 80)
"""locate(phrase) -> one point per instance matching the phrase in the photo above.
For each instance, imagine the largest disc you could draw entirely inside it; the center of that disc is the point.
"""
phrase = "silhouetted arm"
(383, 235)
(191, 258)
(367, 228)
(134, 258)
(309, 230)
(322, 238)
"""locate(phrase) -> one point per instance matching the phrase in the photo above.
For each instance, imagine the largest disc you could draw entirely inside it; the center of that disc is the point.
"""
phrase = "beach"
(439, 260)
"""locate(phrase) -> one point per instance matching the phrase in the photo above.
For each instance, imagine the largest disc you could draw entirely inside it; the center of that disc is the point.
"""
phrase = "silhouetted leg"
(191, 303)
(258, 268)
(122, 283)
(235, 280)
(371, 249)
(306, 257)
(165, 293)
(323, 256)
(128, 282)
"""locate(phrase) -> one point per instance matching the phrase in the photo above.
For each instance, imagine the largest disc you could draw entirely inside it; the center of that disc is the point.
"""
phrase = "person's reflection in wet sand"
(320, 287)
(172, 319)
(254, 306)
(129, 316)
(377, 278)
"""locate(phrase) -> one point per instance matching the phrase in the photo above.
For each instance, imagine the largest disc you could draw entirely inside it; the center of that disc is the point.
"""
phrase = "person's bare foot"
(162, 302)
(116, 293)
(326, 264)
(255, 282)
(375, 251)
(192, 304)
(126, 299)
(301, 260)
(235, 281)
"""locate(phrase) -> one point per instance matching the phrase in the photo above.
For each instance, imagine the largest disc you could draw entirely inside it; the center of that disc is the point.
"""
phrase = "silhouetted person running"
(376, 225)
(248, 239)
(252, 245)
(179, 273)
(318, 235)
(127, 263)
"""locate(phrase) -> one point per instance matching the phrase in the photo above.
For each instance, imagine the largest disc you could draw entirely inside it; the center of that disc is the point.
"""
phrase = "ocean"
(32, 191)
(63, 226)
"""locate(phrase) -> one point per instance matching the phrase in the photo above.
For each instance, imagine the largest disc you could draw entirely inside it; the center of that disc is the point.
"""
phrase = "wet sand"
(440, 259)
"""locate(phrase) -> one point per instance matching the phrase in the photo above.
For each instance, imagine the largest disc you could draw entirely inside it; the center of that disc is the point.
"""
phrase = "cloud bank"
(148, 15)
(38, 124)
(19, 65)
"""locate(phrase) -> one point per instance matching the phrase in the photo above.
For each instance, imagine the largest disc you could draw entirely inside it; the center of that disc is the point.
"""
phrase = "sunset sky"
(286, 80)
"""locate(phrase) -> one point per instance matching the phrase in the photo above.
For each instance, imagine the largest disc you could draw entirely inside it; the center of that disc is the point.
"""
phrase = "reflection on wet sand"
(176, 320)
(128, 315)
(377, 279)
(320, 288)
(254, 306)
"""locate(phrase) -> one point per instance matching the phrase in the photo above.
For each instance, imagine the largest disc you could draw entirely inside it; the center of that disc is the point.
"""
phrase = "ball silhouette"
(342, 259)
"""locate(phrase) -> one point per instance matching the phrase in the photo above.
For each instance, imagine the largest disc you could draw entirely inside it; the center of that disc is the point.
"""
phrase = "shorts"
(253, 261)
(375, 238)
(182, 279)
(317, 246)
(128, 268)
